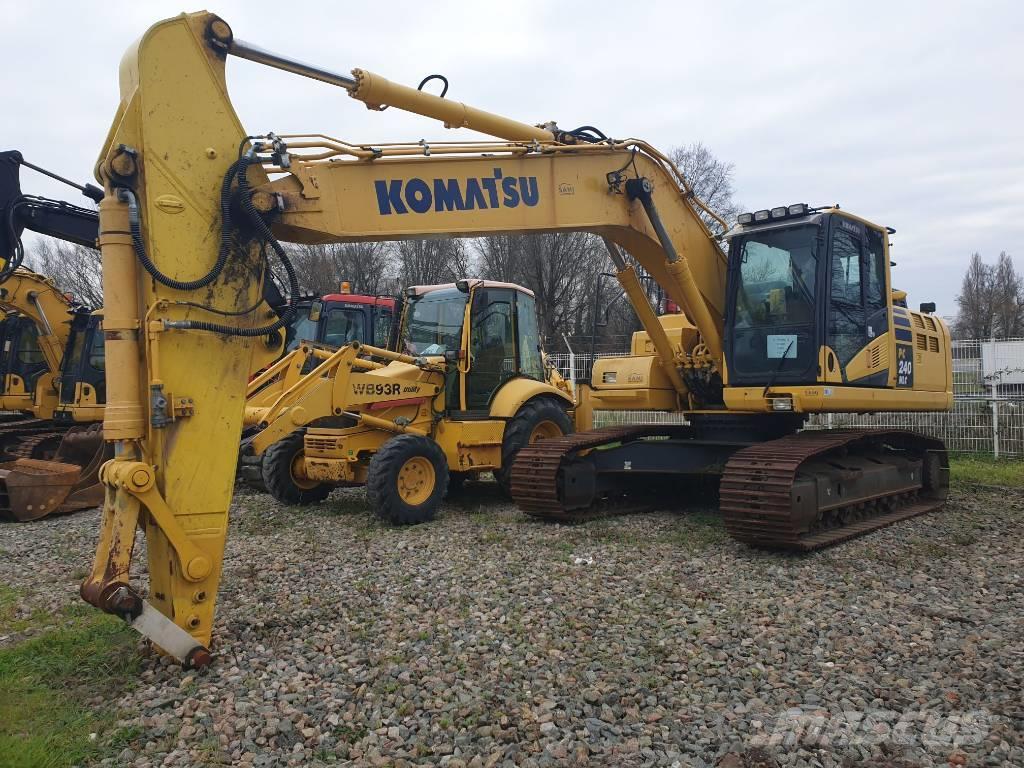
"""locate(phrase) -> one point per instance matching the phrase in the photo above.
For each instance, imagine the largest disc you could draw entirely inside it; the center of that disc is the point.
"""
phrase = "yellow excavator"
(797, 316)
(466, 391)
(48, 463)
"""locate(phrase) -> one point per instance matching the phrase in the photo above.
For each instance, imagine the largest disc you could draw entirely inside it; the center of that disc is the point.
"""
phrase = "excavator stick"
(31, 489)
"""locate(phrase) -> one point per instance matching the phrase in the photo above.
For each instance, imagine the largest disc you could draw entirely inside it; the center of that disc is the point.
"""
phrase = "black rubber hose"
(135, 224)
(239, 169)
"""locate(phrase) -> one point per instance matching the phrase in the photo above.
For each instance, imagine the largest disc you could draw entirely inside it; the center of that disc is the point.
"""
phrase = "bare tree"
(74, 268)
(1007, 298)
(976, 319)
(433, 260)
(322, 268)
(711, 180)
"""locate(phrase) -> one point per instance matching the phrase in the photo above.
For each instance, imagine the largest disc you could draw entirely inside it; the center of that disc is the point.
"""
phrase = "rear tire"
(406, 480)
(280, 475)
(537, 419)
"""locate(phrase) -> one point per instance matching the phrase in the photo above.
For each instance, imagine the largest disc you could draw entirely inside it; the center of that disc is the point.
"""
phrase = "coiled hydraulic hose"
(237, 170)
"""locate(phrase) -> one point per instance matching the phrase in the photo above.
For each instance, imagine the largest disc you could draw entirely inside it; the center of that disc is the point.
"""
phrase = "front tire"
(283, 473)
(406, 480)
(536, 420)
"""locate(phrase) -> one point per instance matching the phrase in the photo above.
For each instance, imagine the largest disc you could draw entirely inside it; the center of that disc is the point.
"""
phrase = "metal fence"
(987, 415)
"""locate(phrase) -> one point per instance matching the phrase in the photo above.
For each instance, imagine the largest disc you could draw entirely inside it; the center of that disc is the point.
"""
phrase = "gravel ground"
(486, 639)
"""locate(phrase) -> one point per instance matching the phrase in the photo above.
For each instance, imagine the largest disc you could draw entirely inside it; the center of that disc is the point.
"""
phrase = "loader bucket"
(33, 488)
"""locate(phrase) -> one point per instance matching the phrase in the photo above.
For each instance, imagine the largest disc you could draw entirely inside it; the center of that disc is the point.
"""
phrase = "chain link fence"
(987, 415)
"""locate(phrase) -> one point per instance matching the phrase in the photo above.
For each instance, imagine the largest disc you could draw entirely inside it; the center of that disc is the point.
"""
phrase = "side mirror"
(928, 307)
(316, 309)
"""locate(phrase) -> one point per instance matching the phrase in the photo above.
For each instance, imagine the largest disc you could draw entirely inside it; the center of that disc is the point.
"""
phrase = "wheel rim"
(545, 430)
(416, 480)
(298, 472)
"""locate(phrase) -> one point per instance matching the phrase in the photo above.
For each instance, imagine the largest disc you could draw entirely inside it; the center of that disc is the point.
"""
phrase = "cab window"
(847, 325)
(344, 326)
(98, 351)
(383, 319)
(29, 351)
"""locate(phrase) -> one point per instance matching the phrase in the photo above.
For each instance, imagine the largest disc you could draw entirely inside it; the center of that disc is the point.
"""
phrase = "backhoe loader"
(796, 317)
(466, 390)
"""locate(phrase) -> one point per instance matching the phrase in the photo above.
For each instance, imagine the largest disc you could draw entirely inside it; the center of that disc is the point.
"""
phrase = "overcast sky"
(907, 113)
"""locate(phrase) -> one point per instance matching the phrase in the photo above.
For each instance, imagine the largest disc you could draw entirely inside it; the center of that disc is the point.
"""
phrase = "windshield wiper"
(778, 370)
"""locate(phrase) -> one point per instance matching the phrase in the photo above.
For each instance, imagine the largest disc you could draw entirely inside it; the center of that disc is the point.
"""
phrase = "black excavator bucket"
(33, 488)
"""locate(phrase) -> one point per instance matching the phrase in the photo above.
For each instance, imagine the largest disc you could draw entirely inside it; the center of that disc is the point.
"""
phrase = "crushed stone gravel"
(488, 639)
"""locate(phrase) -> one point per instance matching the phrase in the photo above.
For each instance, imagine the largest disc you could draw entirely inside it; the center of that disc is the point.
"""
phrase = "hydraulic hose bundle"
(237, 172)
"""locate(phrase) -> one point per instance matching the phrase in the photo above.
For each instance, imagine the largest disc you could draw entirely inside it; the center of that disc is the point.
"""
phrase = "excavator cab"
(810, 303)
(83, 371)
(21, 361)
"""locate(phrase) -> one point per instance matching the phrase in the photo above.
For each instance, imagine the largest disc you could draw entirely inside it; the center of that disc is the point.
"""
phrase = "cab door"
(857, 309)
(492, 345)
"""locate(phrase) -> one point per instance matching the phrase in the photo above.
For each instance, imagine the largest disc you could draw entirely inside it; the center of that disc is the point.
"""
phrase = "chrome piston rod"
(244, 50)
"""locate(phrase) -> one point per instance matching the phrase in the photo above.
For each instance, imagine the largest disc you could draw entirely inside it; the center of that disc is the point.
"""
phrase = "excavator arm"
(55, 218)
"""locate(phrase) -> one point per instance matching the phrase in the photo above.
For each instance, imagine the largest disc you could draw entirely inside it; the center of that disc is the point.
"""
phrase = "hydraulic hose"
(237, 171)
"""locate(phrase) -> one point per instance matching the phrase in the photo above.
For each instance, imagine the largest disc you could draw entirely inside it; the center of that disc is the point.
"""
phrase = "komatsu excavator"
(797, 317)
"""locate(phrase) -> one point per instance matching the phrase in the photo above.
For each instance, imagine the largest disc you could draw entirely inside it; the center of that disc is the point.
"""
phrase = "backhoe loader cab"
(337, 319)
(464, 392)
(487, 328)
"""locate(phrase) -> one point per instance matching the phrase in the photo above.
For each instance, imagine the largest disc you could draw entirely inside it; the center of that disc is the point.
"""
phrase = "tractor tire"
(279, 473)
(407, 479)
(536, 420)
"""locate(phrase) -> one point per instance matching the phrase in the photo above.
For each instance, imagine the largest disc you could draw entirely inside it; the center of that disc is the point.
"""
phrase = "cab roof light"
(745, 218)
(762, 215)
(780, 212)
(798, 209)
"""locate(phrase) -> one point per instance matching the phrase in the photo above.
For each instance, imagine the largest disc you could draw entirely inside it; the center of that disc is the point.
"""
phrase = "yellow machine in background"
(466, 392)
(797, 318)
(30, 295)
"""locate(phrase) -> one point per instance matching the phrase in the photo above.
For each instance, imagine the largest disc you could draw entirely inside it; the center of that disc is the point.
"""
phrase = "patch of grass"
(10, 622)
(979, 470)
(46, 681)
